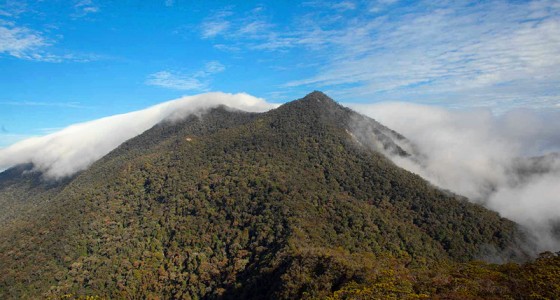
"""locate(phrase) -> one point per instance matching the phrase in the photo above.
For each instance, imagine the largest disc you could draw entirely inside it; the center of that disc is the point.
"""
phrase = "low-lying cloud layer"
(485, 157)
(74, 148)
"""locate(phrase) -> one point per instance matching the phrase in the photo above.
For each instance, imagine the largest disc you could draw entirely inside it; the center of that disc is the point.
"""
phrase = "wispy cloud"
(237, 29)
(196, 81)
(380, 5)
(253, 28)
(212, 67)
(459, 53)
(213, 28)
(344, 6)
(51, 104)
(85, 7)
(175, 81)
(28, 44)
(491, 49)
(216, 24)
(21, 42)
(39, 42)
(12, 8)
(227, 48)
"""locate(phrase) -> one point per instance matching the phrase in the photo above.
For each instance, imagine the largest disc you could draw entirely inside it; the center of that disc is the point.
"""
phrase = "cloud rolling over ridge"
(486, 158)
(74, 148)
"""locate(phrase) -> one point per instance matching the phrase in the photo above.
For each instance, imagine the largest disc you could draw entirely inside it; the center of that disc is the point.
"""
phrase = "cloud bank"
(486, 158)
(74, 148)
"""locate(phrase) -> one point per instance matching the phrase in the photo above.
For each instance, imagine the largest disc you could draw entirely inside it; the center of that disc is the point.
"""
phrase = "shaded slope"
(23, 191)
(281, 204)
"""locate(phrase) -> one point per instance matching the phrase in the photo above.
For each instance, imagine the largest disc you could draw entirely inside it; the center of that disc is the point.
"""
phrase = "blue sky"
(63, 62)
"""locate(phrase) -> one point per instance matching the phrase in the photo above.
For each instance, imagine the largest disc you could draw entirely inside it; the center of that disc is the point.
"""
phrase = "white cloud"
(197, 81)
(38, 44)
(76, 147)
(274, 42)
(37, 103)
(227, 48)
(85, 7)
(213, 28)
(497, 54)
(457, 52)
(476, 154)
(213, 67)
(250, 30)
(24, 43)
(216, 24)
(21, 42)
(12, 8)
(380, 5)
(344, 6)
(221, 23)
(254, 28)
(175, 81)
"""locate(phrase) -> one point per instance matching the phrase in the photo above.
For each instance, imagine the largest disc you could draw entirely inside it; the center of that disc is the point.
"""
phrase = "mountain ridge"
(283, 204)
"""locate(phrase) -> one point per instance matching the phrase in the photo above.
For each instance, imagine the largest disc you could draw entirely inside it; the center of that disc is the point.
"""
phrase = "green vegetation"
(234, 205)
(539, 279)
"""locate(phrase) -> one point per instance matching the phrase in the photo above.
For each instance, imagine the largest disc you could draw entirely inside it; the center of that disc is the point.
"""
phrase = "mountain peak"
(315, 101)
(315, 110)
(317, 96)
(321, 98)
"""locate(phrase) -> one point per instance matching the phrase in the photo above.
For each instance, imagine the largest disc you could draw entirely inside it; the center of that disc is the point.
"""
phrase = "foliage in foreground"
(538, 279)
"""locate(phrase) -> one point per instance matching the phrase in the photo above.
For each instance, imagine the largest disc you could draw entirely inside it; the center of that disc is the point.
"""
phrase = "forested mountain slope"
(296, 202)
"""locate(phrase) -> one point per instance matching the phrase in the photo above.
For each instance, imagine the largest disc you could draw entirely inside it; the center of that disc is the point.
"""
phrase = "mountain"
(23, 191)
(297, 202)
(526, 168)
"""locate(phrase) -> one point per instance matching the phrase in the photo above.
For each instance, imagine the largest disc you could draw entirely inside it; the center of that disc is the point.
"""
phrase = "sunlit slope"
(281, 204)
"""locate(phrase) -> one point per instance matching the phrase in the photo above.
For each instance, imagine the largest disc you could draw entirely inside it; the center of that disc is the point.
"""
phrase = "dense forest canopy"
(291, 203)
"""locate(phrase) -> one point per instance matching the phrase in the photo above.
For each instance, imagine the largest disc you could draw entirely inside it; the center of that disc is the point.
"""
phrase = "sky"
(66, 62)
(474, 85)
